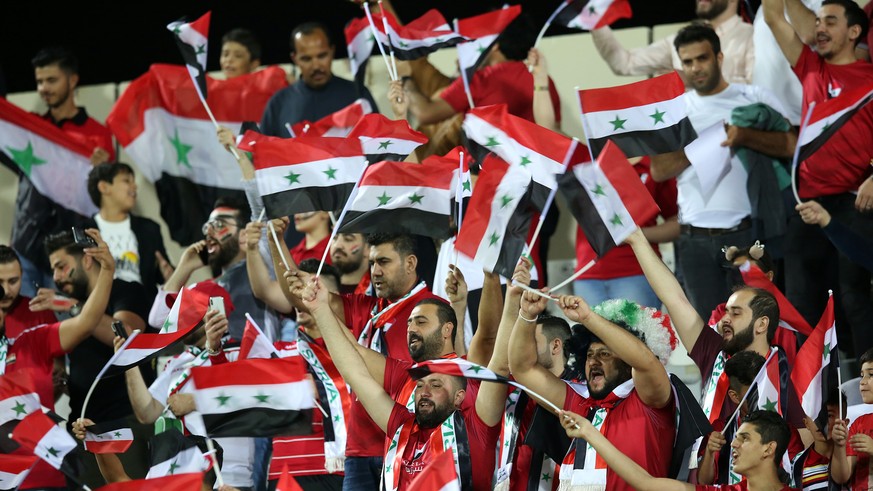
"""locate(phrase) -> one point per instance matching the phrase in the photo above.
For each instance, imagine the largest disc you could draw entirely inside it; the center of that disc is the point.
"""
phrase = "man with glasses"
(222, 249)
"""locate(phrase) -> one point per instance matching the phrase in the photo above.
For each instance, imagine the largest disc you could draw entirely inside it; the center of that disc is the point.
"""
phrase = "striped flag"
(482, 30)
(817, 352)
(592, 14)
(359, 45)
(418, 38)
(109, 437)
(789, 317)
(48, 441)
(462, 169)
(385, 139)
(338, 124)
(56, 163)
(255, 397)
(457, 367)
(191, 481)
(255, 343)
(18, 398)
(173, 453)
(192, 38)
(498, 218)
(439, 475)
(607, 198)
(769, 386)
(404, 198)
(829, 116)
(539, 152)
(307, 173)
(14, 469)
(642, 118)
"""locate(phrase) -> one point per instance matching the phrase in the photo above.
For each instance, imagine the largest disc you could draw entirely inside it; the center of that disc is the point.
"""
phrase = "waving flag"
(172, 453)
(642, 118)
(18, 398)
(439, 475)
(817, 352)
(193, 41)
(191, 481)
(48, 441)
(607, 198)
(498, 218)
(592, 14)
(385, 139)
(14, 469)
(109, 437)
(159, 122)
(401, 197)
(338, 124)
(359, 45)
(457, 367)
(254, 397)
(789, 317)
(56, 163)
(304, 174)
(255, 343)
(829, 116)
(482, 30)
(418, 38)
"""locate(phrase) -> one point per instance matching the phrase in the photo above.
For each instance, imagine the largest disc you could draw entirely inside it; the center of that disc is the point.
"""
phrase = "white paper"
(710, 160)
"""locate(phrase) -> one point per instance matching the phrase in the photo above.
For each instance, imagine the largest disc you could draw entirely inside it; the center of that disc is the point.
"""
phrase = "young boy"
(850, 462)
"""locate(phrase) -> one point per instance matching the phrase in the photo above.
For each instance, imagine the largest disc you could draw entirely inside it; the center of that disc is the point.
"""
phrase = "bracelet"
(213, 352)
(544, 88)
(520, 316)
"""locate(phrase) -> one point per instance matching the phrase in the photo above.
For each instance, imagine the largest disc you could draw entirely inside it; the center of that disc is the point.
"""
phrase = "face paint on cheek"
(355, 250)
(222, 234)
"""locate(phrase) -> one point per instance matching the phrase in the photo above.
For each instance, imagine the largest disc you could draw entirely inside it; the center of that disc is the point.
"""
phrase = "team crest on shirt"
(10, 359)
(834, 91)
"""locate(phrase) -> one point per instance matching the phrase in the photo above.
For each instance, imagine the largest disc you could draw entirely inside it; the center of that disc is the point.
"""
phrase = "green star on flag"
(384, 199)
(546, 477)
(493, 239)
(827, 351)
(222, 399)
(262, 398)
(467, 185)
(598, 190)
(182, 149)
(505, 200)
(658, 116)
(474, 368)
(384, 145)
(174, 466)
(492, 142)
(19, 408)
(167, 325)
(117, 434)
(770, 405)
(616, 220)
(415, 198)
(201, 48)
(524, 161)
(25, 158)
(53, 451)
(618, 123)
(293, 178)
(331, 173)
(825, 127)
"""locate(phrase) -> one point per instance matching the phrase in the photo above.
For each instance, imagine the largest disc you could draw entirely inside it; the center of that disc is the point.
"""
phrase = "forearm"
(637, 477)
(522, 347)
(668, 165)
(543, 110)
(111, 467)
(789, 42)
(263, 287)
(425, 109)
(668, 231)
(145, 407)
(483, 343)
(651, 59)
(778, 144)
(841, 469)
(499, 362)
(802, 20)
(179, 278)
(706, 470)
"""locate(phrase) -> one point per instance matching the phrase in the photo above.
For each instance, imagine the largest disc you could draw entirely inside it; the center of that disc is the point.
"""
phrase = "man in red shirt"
(36, 216)
(838, 175)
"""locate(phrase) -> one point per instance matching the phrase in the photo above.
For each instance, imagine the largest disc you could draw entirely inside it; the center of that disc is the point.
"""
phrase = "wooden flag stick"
(575, 275)
(570, 150)
(376, 35)
(218, 479)
(533, 290)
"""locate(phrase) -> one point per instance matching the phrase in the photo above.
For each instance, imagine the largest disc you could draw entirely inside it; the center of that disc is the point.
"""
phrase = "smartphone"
(217, 303)
(83, 239)
(204, 256)
(119, 330)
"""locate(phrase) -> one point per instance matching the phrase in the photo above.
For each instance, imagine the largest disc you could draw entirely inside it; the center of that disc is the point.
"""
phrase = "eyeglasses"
(217, 223)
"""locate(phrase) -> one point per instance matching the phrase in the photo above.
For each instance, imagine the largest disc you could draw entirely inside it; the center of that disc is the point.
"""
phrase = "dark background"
(117, 41)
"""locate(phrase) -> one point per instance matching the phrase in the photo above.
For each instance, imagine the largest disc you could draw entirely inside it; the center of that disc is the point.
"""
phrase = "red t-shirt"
(507, 83)
(481, 437)
(521, 461)
(642, 433)
(861, 477)
(365, 437)
(20, 317)
(843, 162)
(742, 486)
(620, 261)
(299, 253)
(87, 130)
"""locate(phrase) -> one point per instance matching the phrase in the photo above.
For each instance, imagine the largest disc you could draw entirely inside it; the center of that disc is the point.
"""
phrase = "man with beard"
(628, 391)
(838, 175)
(659, 57)
(223, 248)
(708, 219)
(441, 421)
(36, 216)
(749, 324)
(350, 253)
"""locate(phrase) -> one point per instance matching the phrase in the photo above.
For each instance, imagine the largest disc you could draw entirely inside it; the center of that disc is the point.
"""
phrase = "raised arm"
(650, 377)
(456, 290)
(425, 109)
(110, 465)
(802, 20)
(369, 391)
(655, 58)
(263, 287)
(688, 323)
(76, 329)
(778, 144)
(842, 465)
(789, 42)
(188, 264)
(543, 110)
(146, 408)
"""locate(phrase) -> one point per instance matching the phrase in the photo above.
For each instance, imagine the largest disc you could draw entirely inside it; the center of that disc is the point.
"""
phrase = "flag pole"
(794, 162)
(376, 35)
(464, 75)
(290, 131)
(459, 197)
(547, 24)
(278, 247)
(339, 220)
(212, 118)
(740, 405)
(390, 46)
(551, 196)
(545, 401)
(533, 290)
(114, 357)
(577, 274)
(218, 479)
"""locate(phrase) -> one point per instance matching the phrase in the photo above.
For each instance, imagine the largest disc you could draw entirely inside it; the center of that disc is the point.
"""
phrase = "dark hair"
(244, 213)
(63, 240)
(554, 328)
(518, 38)
(763, 304)
(105, 172)
(8, 255)
(403, 244)
(855, 15)
(246, 38)
(695, 33)
(835, 396)
(772, 428)
(867, 357)
(308, 28)
(742, 368)
(445, 313)
(62, 56)
(765, 262)
(311, 266)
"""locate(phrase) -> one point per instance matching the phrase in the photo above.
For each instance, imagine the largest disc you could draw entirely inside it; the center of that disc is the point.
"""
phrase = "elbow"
(657, 174)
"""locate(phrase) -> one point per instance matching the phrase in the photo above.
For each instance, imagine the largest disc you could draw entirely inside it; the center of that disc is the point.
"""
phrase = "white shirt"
(728, 203)
(123, 246)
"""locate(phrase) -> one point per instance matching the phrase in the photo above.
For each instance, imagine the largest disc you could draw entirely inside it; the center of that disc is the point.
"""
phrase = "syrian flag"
(642, 118)
(255, 343)
(252, 398)
(607, 198)
(191, 481)
(539, 152)
(193, 40)
(456, 367)
(48, 441)
(56, 163)
(169, 135)
(359, 45)
(337, 124)
(439, 475)
(287, 481)
(829, 116)
(109, 437)
(385, 139)
(304, 174)
(172, 453)
(789, 317)
(403, 198)
(771, 394)
(14, 469)
(817, 352)
(498, 218)
(418, 38)
(18, 398)
(592, 14)
(482, 30)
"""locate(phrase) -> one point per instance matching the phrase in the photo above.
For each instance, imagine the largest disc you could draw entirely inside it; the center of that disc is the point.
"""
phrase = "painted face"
(701, 66)
(389, 272)
(424, 333)
(236, 60)
(54, 85)
(348, 252)
(604, 371)
(313, 54)
(436, 397)
(222, 237)
(737, 325)
(10, 280)
(69, 274)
